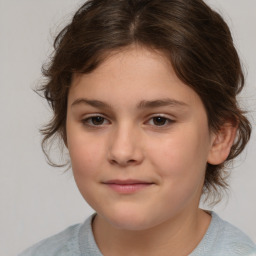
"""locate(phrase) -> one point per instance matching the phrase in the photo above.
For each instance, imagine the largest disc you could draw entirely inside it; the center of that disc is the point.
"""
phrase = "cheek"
(86, 165)
(85, 155)
(180, 155)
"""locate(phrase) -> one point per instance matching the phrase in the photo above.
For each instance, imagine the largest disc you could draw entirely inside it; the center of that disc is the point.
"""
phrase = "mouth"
(127, 186)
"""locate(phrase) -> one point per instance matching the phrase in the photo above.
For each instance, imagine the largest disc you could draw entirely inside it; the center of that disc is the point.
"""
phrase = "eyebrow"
(93, 103)
(161, 103)
(144, 104)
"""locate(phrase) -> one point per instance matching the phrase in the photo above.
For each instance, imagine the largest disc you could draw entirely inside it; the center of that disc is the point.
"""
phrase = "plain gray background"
(37, 200)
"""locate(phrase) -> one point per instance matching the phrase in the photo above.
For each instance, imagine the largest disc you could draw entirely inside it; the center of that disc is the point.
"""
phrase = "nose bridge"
(124, 145)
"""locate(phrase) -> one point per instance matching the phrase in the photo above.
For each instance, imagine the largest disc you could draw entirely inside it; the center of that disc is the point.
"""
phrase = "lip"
(127, 186)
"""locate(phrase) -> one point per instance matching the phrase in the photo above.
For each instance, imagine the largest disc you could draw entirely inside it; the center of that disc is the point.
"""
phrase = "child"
(143, 94)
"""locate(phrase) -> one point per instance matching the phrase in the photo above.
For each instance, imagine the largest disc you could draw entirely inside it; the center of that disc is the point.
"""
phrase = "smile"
(127, 186)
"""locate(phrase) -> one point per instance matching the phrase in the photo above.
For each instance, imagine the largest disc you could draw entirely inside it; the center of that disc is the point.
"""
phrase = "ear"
(222, 142)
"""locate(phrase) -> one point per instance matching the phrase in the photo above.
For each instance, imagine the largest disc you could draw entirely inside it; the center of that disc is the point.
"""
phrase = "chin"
(129, 220)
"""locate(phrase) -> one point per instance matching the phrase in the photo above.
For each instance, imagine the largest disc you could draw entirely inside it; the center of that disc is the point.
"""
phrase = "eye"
(160, 121)
(95, 121)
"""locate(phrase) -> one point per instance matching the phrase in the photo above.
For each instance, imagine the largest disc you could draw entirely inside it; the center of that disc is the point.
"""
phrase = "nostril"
(113, 161)
(131, 161)
(123, 163)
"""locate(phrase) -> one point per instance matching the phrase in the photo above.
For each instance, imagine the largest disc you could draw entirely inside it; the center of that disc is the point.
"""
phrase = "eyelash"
(167, 121)
(88, 121)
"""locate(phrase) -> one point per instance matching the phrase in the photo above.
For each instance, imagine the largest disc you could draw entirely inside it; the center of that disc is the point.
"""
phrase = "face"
(138, 140)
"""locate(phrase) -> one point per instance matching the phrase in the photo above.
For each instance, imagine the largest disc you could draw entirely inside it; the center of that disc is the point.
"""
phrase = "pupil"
(97, 120)
(159, 120)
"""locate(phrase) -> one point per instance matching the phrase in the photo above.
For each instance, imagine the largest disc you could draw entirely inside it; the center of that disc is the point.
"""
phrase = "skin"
(132, 118)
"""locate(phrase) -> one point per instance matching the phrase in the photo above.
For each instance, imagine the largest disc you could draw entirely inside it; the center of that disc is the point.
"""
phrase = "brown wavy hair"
(195, 39)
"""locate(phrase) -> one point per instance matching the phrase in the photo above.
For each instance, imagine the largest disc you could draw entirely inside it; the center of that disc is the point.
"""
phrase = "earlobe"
(222, 143)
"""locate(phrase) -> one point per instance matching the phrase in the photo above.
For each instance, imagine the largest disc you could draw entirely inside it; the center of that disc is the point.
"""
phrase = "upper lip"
(127, 182)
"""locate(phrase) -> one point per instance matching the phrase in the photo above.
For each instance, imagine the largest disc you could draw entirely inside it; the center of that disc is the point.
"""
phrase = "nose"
(125, 147)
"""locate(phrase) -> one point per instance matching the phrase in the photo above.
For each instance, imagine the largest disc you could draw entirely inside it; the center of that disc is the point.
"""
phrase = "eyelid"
(169, 119)
(167, 116)
(85, 120)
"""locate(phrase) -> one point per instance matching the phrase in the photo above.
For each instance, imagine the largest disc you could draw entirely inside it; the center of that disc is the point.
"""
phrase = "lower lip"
(128, 188)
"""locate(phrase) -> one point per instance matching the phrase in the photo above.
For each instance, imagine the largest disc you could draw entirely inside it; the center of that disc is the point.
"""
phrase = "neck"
(178, 236)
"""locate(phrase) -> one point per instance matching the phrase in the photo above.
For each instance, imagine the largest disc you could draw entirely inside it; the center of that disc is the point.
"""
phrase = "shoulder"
(62, 244)
(231, 235)
(222, 238)
(233, 239)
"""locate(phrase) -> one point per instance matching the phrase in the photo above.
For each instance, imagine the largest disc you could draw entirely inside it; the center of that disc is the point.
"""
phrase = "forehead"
(131, 75)
(133, 59)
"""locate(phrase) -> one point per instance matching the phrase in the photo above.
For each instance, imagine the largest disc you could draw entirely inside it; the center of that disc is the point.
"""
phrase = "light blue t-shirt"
(221, 239)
